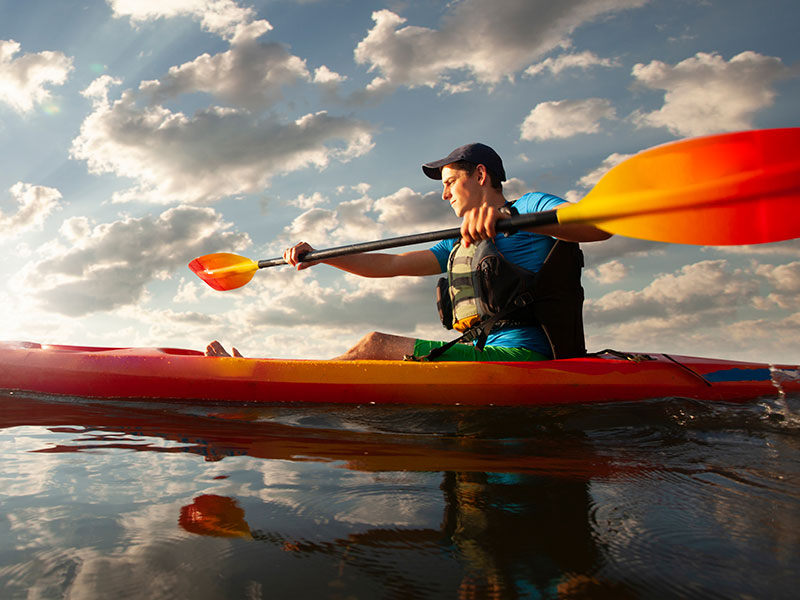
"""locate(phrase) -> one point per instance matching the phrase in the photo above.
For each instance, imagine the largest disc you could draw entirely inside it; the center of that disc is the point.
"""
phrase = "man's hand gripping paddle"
(727, 189)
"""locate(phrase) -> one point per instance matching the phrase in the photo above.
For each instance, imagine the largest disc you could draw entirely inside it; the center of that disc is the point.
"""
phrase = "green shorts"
(468, 352)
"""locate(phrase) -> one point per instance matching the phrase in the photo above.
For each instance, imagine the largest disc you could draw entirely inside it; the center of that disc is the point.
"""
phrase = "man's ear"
(483, 175)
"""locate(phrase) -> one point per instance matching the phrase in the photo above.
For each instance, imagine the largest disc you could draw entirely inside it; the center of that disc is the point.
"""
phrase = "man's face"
(461, 190)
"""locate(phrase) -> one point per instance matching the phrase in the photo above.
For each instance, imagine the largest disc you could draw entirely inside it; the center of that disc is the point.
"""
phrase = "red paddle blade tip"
(224, 271)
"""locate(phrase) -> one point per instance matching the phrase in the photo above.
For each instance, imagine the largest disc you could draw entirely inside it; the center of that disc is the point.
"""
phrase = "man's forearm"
(417, 263)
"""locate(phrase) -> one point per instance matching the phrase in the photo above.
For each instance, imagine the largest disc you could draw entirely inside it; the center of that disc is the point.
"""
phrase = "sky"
(137, 135)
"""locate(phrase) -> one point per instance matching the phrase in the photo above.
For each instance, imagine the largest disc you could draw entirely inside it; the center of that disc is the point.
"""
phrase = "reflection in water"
(217, 516)
(669, 499)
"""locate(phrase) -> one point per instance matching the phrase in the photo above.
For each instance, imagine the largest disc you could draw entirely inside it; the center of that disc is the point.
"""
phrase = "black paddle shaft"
(539, 219)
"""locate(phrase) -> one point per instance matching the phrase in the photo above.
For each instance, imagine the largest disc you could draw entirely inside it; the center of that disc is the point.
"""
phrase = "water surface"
(660, 499)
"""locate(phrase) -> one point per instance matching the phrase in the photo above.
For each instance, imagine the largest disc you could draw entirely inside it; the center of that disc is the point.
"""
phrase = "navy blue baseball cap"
(476, 153)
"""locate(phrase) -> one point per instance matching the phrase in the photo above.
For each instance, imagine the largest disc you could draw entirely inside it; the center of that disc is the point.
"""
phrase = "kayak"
(173, 374)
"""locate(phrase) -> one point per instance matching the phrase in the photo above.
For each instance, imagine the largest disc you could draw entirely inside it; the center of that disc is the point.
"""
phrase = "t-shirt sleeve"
(537, 202)
(441, 251)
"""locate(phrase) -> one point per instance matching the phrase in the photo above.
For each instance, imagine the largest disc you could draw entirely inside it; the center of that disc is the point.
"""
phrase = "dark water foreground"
(662, 499)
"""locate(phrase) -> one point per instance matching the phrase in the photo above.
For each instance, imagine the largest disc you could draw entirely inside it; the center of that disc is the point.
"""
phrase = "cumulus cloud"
(305, 202)
(36, 203)
(217, 152)
(565, 118)
(364, 219)
(324, 76)
(582, 60)
(707, 289)
(694, 310)
(785, 282)
(753, 339)
(313, 225)
(251, 74)
(607, 273)
(222, 17)
(188, 292)
(407, 211)
(24, 80)
(619, 247)
(233, 146)
(706, 94)
(98, 267)
(352, 304)
(478, 41)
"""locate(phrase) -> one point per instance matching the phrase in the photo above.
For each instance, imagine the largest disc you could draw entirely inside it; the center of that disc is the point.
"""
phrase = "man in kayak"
(472, 177)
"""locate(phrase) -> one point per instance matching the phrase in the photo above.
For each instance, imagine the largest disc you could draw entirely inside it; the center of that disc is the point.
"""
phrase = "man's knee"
(377, 345)
(374, 339)
(373, 342)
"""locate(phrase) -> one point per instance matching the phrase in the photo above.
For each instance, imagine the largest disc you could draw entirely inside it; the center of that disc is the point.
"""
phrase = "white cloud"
(406, 212)
(620, 247)
(582, 60)
(705, 94)
(251, 74)
(362, 219)
(352, 304)
(217, 152)
(703, 309)
(36, 203)
(756, 339)
(187, 292)
(607, 273)
(323, 75)
(101, 267)
(484, 41)
(306, 202)
(24, 80)
(785, 282)
(565, 118)
(707, 290)
(222, 17)
(355, 222)
(313, 226)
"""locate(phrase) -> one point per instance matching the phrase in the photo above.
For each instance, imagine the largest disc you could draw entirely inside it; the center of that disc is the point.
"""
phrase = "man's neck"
(494, 198)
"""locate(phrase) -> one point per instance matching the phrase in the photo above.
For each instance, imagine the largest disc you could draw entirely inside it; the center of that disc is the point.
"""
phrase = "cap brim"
(434, 169)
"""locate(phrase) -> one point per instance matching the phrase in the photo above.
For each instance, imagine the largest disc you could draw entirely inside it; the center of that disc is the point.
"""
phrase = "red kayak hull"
(188, 375)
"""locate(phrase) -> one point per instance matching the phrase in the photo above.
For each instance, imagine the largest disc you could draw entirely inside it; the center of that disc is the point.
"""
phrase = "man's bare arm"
(414, 263)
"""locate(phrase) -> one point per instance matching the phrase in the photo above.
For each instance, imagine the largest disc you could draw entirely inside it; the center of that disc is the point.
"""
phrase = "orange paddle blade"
(736, 188)
(224, 271)
(217, 516)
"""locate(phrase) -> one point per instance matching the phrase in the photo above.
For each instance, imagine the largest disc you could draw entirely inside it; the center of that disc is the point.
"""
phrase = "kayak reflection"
(373, 439)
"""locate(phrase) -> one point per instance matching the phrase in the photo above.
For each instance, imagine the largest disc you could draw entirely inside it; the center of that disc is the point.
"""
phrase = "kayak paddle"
(727, 189)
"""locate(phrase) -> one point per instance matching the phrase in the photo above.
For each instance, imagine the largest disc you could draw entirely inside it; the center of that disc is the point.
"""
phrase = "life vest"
(484, 291)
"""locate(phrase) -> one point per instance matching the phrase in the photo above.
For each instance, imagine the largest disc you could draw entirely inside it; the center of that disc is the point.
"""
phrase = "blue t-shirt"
(527, 250)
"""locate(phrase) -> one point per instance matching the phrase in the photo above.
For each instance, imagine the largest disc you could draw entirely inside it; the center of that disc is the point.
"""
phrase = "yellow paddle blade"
(224, 271)
(736, 188)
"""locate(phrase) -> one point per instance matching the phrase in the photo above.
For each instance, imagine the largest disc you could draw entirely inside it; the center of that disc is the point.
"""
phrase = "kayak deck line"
(181, 374)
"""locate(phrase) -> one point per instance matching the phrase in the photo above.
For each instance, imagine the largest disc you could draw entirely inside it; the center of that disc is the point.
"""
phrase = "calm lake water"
(662, 499)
